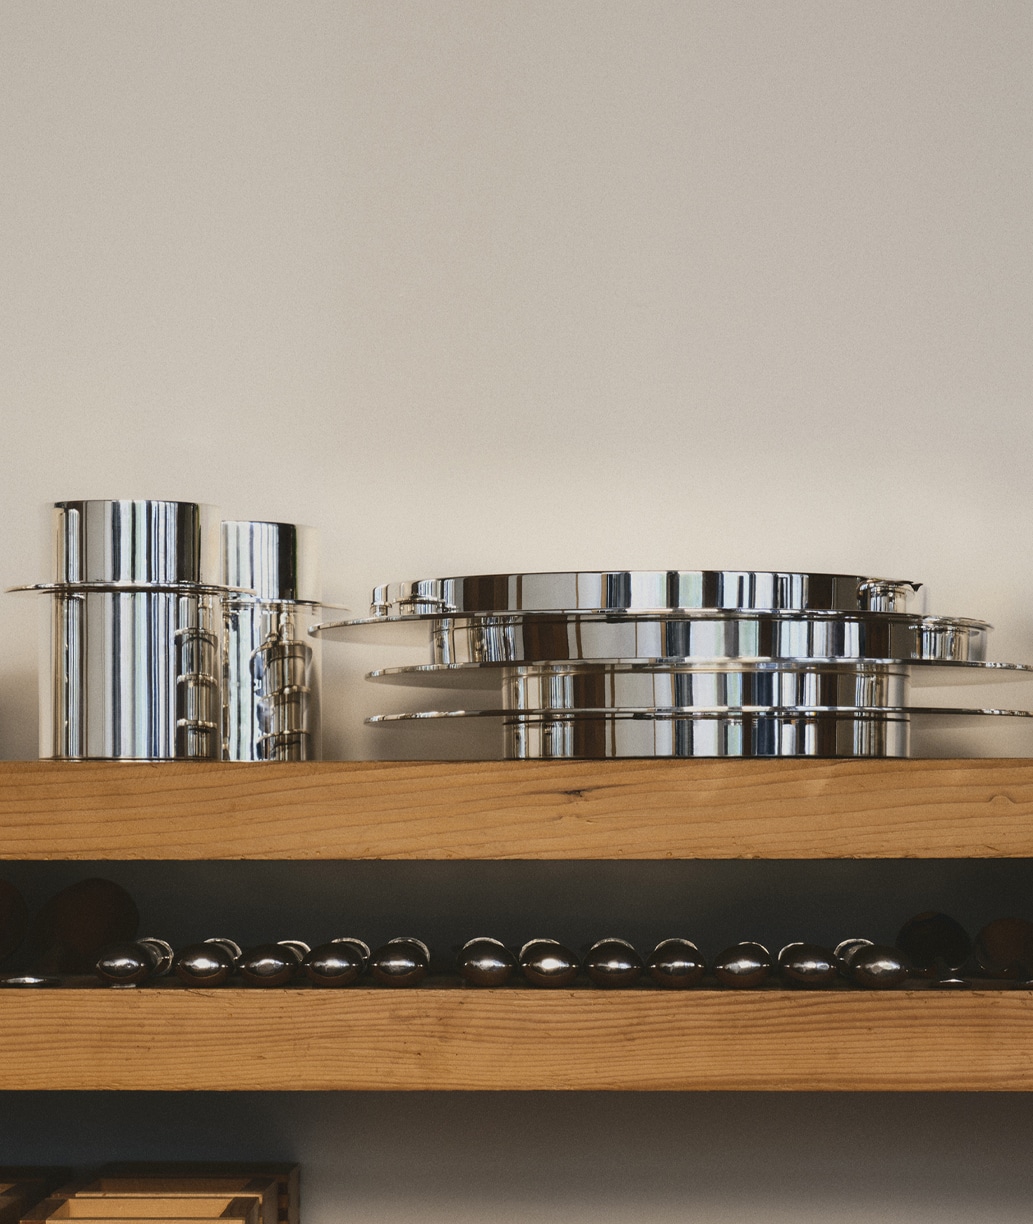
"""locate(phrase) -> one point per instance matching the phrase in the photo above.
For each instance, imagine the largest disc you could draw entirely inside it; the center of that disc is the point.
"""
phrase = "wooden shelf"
(369, 1039)
(167, 1037)
(787, 809)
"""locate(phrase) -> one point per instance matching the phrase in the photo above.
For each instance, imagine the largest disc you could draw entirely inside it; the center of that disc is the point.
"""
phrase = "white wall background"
(480, 285)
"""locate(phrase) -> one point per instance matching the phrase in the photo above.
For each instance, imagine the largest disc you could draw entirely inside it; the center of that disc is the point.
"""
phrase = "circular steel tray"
(532, 638)
(643, 591)
(467, 676)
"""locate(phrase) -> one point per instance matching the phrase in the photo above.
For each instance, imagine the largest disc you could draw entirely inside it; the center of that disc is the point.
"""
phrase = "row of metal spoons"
(930, 946)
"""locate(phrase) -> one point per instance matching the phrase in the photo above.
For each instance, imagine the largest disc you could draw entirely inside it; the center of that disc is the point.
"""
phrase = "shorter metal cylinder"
(270, 672)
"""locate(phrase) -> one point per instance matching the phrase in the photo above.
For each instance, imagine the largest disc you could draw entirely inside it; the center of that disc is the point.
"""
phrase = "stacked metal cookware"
(680, 663)
(160, 644)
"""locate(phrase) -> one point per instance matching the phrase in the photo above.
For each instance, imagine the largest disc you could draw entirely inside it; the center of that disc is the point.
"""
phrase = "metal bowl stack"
(681, 663)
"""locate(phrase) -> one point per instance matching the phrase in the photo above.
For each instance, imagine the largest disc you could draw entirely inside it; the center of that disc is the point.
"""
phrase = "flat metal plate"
(469, 676)
(644, 591)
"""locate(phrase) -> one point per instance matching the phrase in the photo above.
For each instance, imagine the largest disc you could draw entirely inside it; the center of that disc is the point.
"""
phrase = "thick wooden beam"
(698, 809)
(445, 1039)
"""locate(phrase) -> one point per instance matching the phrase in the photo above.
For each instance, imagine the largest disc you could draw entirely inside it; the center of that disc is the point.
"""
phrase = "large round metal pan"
(924, 673)
(643, 591)
(533, 638)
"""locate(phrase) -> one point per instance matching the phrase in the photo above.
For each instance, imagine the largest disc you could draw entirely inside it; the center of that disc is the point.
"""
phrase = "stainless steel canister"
(130, 632)
(270, 667)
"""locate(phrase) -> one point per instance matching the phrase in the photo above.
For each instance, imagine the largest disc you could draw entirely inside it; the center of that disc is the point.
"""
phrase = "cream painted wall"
(481, 285)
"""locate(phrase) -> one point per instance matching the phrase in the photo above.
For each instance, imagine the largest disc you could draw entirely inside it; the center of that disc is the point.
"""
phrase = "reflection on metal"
(680, 663)
(615, 664)
(643, 591)
(270, 669)
(131, 633)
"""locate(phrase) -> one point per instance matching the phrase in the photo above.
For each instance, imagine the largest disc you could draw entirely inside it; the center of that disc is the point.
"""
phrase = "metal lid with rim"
(655, 591)
(279, 562)
(135, 543)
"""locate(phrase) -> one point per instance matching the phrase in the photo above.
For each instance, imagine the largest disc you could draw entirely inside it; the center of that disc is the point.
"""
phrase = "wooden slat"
(518, 810)
(368, 1039)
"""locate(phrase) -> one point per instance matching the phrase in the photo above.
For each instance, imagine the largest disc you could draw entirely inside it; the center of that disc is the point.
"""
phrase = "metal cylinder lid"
(277, 561)
(135, 542)
(645, 591)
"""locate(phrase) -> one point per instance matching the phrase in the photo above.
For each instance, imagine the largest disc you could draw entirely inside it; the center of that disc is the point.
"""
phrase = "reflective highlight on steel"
(131, 633)
(680, 663)
(643, 591)
(270, 674)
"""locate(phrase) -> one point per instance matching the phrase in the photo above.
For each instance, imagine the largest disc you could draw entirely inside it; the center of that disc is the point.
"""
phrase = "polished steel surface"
(689, 635)
(546, 962)
(596, 664)
(210, 963)
(277, 562)
(808, 965)
(676, 964)
(270, 671)
(270, 683)
(649, 591)
(618, 687)
(877, 967)
(131, 634)
(337, 963)
(923, 673)
(272, 964)
(597, 736)
(134, 675)
(485, 962)
(143, 542)
(402, 961)
(132, 964)
(744, 966)
(612, 963)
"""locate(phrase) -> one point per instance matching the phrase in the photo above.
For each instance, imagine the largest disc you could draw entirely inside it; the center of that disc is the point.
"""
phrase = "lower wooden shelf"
(446, 1039)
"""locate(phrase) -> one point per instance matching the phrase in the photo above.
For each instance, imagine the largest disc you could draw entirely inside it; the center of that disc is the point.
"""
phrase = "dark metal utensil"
(485, 962)
(878, 967)
(808, 965)
(337, 963)
(545, 962)
(743, 966)
(132, 964)
(402, 961)
(272, 964)
(676, 964)
(210, 963)
(612, 963)
(844, 952)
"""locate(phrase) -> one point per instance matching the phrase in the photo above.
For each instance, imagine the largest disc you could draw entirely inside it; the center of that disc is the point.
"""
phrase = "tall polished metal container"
(270, 667)
(130, 632)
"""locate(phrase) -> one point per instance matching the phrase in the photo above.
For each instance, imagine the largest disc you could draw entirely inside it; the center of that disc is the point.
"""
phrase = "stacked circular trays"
(681, 663)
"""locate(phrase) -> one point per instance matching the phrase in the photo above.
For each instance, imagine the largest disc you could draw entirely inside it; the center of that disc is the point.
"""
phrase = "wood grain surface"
(518, 810)
(369, 1039)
